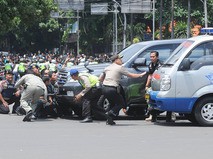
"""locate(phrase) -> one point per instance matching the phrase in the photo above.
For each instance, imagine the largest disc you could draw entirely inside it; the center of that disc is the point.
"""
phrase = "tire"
(137, 112)
(104, 103)
(204, 111)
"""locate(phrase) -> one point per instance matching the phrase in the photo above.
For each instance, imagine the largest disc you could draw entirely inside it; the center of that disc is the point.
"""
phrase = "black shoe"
(154, 118)
(30, 116)
(87, 120)
(20, 111)
(110, 120)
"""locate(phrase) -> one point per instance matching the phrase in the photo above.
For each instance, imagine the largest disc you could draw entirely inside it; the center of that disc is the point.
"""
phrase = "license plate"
(70, 93)
(147, 96)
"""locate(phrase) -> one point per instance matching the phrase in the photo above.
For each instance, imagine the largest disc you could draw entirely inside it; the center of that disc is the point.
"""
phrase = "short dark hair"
(45, 79)
(155, 52)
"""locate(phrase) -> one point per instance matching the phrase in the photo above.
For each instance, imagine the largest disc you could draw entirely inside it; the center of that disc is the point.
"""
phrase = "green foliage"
(27, 24)
(180, 30)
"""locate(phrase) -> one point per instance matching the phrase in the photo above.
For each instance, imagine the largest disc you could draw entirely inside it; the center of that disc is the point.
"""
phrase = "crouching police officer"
(90, 95)
(8, 94)
(34, 88)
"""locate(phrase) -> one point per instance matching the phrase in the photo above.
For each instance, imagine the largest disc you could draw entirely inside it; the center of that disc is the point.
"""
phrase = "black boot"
(110, 119)
(29, 116)
(20, 111)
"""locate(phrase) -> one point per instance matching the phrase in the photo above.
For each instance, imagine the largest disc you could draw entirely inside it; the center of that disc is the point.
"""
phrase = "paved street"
(129, 139)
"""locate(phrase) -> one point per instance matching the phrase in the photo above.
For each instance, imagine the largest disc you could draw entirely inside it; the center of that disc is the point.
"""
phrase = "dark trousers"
(13, 99)
(115, 99)
(90, 104)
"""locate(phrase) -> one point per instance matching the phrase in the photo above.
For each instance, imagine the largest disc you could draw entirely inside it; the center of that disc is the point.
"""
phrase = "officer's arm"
(102, 77)
(87, 84)
(3, 101)
(134, 75)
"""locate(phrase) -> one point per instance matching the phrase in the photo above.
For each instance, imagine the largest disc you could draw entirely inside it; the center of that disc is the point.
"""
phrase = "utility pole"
(205, 10)
(78, 33)
(116, 27)
(124, 25)
(161, 14)
(189, 19)
(172, 9)
(153, 21)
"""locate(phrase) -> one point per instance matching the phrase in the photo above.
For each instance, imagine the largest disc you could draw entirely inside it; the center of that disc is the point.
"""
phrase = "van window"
(202, 61)
(178, 52)
(201, 54)
(164, 50)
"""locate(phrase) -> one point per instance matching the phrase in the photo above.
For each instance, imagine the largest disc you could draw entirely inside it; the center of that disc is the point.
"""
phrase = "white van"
(184, 84)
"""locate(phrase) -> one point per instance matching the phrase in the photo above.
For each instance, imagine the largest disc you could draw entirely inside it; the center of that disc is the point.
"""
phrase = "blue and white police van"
(184, 84)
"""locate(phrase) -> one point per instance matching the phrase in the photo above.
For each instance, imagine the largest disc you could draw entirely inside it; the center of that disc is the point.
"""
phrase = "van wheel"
(204, 111)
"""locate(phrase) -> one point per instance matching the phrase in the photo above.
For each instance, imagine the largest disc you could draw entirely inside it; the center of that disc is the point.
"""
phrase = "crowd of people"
(30, 84)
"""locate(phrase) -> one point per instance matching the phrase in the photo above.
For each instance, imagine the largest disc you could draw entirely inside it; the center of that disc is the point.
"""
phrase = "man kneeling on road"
(8, 94)
(34, 88)
(90, 96)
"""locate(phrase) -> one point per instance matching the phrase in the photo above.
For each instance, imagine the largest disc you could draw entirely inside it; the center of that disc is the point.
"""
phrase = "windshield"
(178, 52)
(127, 53)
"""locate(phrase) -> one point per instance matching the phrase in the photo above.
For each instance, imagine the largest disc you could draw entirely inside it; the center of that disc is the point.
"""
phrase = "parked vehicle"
(136, 59)
(184, 84)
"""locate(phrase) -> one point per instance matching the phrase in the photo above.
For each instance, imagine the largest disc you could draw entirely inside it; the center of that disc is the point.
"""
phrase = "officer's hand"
(124, 111)
(77, 97)
(17, 94)
(5, 104)
(142, 74)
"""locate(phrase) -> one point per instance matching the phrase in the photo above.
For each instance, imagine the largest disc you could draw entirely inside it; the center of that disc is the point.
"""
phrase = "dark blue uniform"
(8, 94)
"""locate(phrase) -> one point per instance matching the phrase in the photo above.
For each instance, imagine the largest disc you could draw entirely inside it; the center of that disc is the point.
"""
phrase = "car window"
(164, 50)
(127, 53)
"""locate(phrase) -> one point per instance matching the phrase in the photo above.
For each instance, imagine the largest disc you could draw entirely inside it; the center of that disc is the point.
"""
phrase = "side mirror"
(86, 63)
(139, 62)
(185, 65)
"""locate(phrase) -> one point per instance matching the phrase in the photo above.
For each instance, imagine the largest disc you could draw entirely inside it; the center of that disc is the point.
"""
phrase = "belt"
(110, 86)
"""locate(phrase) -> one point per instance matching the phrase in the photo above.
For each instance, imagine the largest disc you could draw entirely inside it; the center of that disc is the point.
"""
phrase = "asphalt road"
(128, 139)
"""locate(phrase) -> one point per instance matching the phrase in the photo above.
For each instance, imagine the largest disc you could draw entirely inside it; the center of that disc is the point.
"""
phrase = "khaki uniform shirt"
(113, 74)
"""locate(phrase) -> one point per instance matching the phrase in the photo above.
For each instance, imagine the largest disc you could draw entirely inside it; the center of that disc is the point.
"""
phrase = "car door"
(135, 87)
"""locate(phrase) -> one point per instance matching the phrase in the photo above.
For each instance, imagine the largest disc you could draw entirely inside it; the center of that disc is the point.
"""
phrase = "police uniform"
(90, 94)
(111, 87)
(34, 88)
(7, 91)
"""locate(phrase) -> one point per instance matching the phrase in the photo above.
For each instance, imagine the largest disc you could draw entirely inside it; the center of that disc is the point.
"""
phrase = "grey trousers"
(3, 109)
(30, 96)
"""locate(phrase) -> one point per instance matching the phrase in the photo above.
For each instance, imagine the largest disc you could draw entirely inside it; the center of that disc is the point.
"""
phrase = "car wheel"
(136, 112)
(204, 111)
(103, 101)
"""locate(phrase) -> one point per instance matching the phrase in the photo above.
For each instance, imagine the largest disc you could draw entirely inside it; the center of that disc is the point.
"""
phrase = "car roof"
(160, 41)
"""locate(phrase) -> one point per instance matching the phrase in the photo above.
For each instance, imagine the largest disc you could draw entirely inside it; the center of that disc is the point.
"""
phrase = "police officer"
(22, 67)
(34, 88)
(90, 95)
(8, 94)
(35, 70)
(8, 66)
(111, 79)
